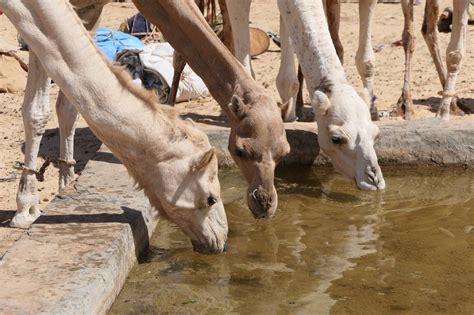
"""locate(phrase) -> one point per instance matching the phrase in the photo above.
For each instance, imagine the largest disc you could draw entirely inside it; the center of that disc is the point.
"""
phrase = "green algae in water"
(329, 248)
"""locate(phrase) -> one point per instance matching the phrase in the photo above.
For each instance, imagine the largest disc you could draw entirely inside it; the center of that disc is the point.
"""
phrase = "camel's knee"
(408, 40)
(365, 67)
(35, 120)
(454, 60)
(287, 87)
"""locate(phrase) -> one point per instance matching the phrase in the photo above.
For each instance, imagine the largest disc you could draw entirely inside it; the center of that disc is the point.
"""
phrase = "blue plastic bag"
(111, 42)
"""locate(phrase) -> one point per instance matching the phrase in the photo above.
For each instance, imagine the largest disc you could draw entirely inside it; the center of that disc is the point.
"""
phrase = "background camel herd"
(257, 141)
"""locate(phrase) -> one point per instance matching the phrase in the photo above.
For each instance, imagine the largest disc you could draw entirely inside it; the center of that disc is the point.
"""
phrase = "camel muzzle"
(260, 203)
(206, 249)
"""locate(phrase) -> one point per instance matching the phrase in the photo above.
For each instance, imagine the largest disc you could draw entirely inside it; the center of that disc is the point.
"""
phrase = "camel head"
(257, 143)
(347, 134)
(187, 189)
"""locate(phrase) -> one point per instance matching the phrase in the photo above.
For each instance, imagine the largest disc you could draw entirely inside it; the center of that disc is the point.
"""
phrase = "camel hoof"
(24, 220)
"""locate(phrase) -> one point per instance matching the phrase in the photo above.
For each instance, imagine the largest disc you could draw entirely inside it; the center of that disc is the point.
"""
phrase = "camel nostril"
(372, 177)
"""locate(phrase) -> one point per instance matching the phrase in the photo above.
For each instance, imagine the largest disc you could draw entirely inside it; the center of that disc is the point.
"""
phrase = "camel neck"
(68, 55)
(308, 28)
(200, 47)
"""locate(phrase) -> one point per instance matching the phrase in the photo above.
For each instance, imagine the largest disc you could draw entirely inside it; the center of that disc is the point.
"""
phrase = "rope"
(40, 173)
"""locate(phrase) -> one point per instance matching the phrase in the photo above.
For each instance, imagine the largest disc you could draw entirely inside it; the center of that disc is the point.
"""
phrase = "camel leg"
(333, 14)
(365, 57)
(67, 117)
(67, 113)
(405, 104)
(454, 55)
(35, 111)
(299, 97)
(430, 34)
(239, 11)
(286, 80)
(178, 64)
(226, 35)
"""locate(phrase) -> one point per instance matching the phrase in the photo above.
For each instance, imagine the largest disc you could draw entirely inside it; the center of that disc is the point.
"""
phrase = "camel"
(346, 132)
(256, 148)
(170, 160)
(287, 81)
(454, 53)
(257, 137)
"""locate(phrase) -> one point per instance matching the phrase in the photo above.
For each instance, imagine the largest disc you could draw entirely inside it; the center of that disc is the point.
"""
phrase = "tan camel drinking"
(170, 160)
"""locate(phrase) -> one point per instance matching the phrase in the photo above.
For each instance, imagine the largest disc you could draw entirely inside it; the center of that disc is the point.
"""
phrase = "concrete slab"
(76, 257)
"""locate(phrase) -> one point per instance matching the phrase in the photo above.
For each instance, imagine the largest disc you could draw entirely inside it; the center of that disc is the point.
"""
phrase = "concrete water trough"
(76, 257)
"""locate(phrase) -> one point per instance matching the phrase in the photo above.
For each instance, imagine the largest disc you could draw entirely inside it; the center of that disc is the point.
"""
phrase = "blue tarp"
(111, 42)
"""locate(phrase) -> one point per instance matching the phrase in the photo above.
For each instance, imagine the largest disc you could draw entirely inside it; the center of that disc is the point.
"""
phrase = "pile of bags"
(151, 65)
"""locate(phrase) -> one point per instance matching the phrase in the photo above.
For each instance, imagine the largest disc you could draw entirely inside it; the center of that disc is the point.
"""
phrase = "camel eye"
(240, 153)
(243, 154)
(211, 200)
(337, 139)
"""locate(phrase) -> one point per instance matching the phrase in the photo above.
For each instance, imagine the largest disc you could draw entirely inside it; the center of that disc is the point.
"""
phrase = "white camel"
(170, 160)
(287, 80)
(346, 132)
(455, 52)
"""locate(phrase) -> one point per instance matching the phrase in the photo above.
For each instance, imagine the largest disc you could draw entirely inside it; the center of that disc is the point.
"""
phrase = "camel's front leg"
(430, 34)
(67, 117)
(405, 104)
(454, 54)
(365, 57)
(286, 81)
(239, 11)
(333, 13)
(35, 111)
(178, 64)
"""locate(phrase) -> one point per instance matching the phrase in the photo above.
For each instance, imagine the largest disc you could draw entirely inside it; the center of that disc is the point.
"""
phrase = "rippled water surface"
(329, 248)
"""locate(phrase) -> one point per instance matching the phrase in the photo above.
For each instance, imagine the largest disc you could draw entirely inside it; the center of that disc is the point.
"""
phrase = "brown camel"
(257, 138)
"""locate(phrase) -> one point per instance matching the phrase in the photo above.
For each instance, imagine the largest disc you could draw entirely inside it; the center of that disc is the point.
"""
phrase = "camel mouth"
(206, 249)
(369, 185)
(261, 203)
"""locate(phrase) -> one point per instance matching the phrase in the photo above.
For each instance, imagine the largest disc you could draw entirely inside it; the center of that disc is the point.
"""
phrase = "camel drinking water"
(170, 160)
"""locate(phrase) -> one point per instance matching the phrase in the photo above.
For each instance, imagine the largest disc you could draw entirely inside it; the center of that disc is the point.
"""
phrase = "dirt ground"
(389, 77)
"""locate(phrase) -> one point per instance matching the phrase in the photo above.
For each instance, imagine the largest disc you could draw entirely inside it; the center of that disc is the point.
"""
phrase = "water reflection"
(330, 247)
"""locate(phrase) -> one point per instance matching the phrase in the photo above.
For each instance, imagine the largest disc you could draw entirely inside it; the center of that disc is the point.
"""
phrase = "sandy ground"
(389, 75)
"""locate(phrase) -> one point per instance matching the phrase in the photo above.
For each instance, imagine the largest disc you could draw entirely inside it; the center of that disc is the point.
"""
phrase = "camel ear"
(204, 160)
(320, 103)
(284, 108)
(237, 107)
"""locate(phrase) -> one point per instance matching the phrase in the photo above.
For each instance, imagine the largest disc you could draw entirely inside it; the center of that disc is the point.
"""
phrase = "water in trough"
(330, 247)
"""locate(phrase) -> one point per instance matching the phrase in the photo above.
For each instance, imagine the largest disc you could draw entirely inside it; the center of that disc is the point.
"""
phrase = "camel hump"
(259, 41)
